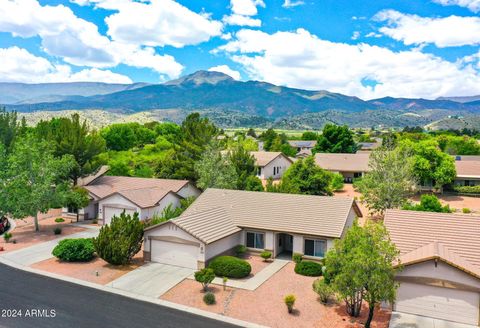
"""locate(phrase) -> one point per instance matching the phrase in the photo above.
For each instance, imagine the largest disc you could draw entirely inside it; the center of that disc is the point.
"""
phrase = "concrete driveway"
(404, 320)
(151, 279)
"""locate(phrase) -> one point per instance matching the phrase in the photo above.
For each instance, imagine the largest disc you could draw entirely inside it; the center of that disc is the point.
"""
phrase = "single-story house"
(468, 170)
(111, 195)
(303, 147)
(271, 164)
(351, 166)
(219, 220)
(440, 253)
(369, 146)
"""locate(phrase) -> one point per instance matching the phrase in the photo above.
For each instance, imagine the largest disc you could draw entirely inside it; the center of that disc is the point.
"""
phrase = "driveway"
(404, 320)
(43, 251)
(151, 279)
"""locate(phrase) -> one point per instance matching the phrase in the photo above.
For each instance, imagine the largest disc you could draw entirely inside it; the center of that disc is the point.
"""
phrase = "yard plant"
(324, 291)
(118, 242)
(74, 250)
(289, 302)
(7, 236)
(230, 267)
(57, 231)
(209, 298)
(240, 250)
(266, 255)
(59, 220)
(205, 277)
(308, 268)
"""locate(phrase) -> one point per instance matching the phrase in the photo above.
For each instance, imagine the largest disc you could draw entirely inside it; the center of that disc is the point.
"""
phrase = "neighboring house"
(303, 147)
(271, 164)
(219, 220)
(440, 253)
(351, 166)
(369, 146)
(111, 195)
(468, 170)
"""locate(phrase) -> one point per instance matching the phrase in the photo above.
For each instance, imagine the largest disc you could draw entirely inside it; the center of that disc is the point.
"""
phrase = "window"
(315, 247)
(71, 209)
(255, 240)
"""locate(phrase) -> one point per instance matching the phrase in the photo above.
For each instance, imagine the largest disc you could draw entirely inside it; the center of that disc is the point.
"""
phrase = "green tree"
(428, 203)
(389, 141)
(309, 135)
(335, 139)
(251, 133)
(34, 179)
(214, 170)
(205, 277)
(390, 182)
(306, 177)
(253, 183)
(244, 165)
(9, 128)
(119, 136)
(70, 136)
(118, 242)
(461, 145)
(77, 198)
(361, 267)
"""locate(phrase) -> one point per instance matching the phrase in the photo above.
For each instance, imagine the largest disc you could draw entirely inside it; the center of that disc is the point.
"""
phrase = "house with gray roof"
(351, 166)
(219, 220)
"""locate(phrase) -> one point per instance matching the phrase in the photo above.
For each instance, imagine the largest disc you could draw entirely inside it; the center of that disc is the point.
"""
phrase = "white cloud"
(443, 32)
(19, 65)
(241, 20)
(290, 3)
(226, 70)
(355, 35)
(302, 60)
(77, 41)
(473, 5)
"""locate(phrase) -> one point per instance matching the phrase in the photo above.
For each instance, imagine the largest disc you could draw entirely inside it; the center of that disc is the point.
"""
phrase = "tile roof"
(144, 192)
(302, 143)
(421, 236)
(343, 162)
(468, 168)
(262, 158)
(229, 210)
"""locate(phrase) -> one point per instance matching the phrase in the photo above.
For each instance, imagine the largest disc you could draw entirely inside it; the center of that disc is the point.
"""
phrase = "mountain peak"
(201, 77)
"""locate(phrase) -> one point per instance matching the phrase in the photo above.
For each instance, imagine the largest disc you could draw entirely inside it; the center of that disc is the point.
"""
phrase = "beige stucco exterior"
(267, 171)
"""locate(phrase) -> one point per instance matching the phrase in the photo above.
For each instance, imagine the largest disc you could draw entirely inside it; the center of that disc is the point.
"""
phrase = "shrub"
(118, 242)
(205, 277)
(57, 231)
(59, 220)
(289, 302)
(323, 290)
(74, 250)
(297, 257)
(467, 189)
(230, 267)
(466, 210)
(7, 236)
(209, 298)
(95, 221)
(240, 250)
(308, 268)
(266, 255)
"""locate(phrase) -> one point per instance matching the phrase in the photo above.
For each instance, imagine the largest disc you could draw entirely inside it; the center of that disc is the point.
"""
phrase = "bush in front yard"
(74, 250)
(205, 277)
(59, 220)
(240, 250)
(118, 242)
(230, 267)
(209, 298)
(297, 257)
(308, 268)
(324, 291)
(266, 255)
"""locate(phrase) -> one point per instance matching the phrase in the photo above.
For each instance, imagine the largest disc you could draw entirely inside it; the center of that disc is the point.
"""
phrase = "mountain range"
(252, 101)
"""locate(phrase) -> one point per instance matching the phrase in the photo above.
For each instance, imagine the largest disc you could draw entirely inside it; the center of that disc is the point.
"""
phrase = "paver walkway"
(43, 251)
(404, 320)
(151, 279)
(257, 280)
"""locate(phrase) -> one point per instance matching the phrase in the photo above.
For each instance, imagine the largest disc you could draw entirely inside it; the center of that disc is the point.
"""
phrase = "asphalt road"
(33, 298)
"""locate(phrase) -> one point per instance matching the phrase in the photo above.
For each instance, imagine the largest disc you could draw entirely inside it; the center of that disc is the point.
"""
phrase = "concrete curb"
(112, 290)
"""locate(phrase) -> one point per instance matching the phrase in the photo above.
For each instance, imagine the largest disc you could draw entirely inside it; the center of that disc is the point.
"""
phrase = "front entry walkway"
(404, 320)
(151, 279)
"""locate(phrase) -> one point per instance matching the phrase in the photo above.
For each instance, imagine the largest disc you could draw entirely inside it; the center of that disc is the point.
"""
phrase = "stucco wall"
(116, 200)
(148, 213)
(350, 218)
(280, 161)
(222, 245)
(189, 191)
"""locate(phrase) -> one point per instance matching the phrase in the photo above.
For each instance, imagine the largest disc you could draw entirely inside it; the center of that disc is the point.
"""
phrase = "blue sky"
(367, 49)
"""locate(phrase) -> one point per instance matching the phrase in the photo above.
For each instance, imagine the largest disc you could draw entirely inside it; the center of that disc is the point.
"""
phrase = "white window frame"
(254, 239)
(315, 239)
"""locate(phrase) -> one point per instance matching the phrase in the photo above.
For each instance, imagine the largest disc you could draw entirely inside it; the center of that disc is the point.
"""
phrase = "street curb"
(195, 311)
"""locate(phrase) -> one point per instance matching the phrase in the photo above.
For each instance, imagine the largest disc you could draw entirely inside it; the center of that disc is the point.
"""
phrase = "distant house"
(271, 164)
(468, 170)
(351, 166)
(219, 220)
(369, 146)
(303, 147)
(440, 253)
(111, 195)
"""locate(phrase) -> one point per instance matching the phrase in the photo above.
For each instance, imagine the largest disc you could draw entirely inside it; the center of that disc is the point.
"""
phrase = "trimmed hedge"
(230, 267)
(467, 189)
(74, 250)
(308, 268)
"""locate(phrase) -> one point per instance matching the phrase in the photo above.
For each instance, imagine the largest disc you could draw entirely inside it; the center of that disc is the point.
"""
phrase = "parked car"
(4, 224)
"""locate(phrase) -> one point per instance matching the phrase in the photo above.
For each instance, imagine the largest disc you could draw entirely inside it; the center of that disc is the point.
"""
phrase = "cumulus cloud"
(301, 59)
(290, 3)
(241, 20)
(19, 65)
(226, 70)
(443, 32)
(473, 5)
(242, 10)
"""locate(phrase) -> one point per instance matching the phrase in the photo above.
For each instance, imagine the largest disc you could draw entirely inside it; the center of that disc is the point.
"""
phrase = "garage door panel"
(437, 302)
(178, 254)
(110, 212)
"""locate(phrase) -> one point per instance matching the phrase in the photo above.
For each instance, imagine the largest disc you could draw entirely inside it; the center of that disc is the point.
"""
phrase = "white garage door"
(109, 212)
(174, 254)
(437, 302)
